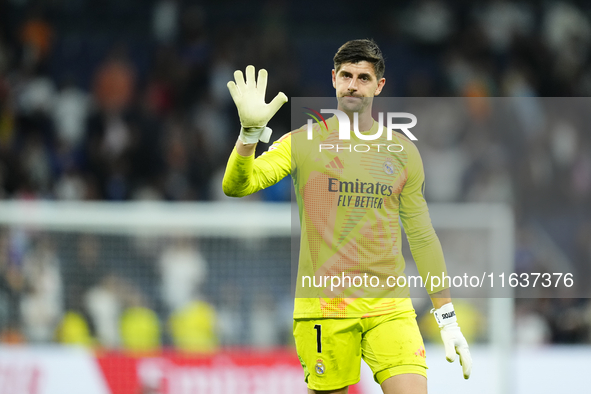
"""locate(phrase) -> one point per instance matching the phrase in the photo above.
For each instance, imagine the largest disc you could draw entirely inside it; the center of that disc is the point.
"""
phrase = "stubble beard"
(358, 104)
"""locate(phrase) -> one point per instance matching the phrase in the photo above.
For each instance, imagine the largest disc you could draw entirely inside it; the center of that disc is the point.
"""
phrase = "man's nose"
(353, 84)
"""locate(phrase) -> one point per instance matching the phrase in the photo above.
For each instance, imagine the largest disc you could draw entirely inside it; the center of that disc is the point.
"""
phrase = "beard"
(354, 104)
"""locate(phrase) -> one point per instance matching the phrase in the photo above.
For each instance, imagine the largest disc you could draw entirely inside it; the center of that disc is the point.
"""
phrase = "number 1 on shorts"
(318, 329)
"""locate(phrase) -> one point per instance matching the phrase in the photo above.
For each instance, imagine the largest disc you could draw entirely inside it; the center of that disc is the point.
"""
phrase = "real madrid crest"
(388, 167)
(320, 367)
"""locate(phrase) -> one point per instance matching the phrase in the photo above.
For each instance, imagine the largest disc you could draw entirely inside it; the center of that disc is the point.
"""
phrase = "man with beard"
(349, 205)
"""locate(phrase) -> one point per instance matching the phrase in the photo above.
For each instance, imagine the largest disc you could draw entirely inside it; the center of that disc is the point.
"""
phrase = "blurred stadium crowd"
(127, 100)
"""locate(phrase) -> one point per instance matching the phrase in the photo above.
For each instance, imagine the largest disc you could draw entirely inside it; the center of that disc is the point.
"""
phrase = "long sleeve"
(424, 243)
(247, 175)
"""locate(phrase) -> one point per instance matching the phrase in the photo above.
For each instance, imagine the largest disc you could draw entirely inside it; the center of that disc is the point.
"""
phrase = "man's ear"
(381, 84)
(334, 79)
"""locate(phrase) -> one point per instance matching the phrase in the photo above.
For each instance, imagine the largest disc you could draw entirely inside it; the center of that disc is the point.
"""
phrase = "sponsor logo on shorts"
(320, 368)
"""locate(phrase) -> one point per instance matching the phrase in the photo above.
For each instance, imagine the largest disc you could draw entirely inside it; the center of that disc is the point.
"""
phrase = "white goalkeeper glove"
(254, 113)
(453, 339)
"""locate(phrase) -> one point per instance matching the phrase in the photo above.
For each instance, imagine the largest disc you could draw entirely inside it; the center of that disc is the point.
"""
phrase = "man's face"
(356, 84)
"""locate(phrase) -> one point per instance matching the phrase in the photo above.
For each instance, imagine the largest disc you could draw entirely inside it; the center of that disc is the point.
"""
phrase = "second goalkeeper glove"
(249, 98)
(453, 339)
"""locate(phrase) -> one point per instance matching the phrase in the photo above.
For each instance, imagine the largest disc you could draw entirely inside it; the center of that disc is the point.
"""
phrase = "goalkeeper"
(333, 331)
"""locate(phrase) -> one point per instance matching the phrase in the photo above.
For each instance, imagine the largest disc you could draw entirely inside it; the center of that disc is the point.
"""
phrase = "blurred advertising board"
(71, 370)
(241, 371)
(49, 370)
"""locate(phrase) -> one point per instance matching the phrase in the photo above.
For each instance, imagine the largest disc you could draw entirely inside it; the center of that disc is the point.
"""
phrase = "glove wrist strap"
(252, 135)
(445, 315)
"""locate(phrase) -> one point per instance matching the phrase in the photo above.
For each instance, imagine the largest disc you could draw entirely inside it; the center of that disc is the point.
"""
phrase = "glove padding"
(452, 337)
(249, 98)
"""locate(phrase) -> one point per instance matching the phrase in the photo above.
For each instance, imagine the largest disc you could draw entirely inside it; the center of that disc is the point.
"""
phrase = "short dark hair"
(356, 51)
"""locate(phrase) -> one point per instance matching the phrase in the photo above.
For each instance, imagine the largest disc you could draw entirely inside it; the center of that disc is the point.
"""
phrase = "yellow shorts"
(330, 350)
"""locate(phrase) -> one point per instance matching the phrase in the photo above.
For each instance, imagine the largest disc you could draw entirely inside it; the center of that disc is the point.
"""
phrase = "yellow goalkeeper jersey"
(351, 195)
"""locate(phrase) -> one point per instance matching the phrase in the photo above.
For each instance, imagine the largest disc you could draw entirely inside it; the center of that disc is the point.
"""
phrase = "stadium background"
(126, 101)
